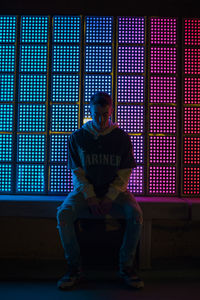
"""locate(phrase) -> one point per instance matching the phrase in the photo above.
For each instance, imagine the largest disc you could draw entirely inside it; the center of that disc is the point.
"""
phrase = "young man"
(101, 159)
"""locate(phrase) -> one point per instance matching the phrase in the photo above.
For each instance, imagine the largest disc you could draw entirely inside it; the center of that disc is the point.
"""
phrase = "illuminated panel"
(99, 29)
(31, 179)
(131, 118)
(130, 89)
(66, 29)
(131, 59)
(192, 32)
(66, 58)
(6, 117)
(33, 58)
(162, 119)
(33, 88)
(131, 30)
(32, 118)
(163, 31)
(138, 148)
(163, 89)
(87, 116)
(8, 29)
(163, 60)
(192, 61)
(135, 184)
(191, 150)
(34, 29)
(7, 58)
(164, 180)
(98, 59)
(162, 150)
(6, 87)
(191, 181)
(58, 148)
(191, 120)
(31, 148)
(65, 88)
(6, 178)
(97, 83)
(64, 118)
(191, 90)
(5, 147)
(60, 179)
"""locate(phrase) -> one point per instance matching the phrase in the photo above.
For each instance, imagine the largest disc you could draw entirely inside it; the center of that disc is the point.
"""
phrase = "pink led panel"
(162, 149)
(162, 89)
(162, 180)
(163, 31)
(163, 60)
(192, 32)
(131, 30)
(191, 153)
(130, 89)
(131, 59)
(136, 182)
(191, 120)
(191, 181)
(130, 118)
(192, 61)
(191, 90)
(162, 119)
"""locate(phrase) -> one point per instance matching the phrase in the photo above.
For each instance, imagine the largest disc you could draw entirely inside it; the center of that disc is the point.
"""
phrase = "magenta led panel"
(191, 153)
(131, 59)
(163, 31)
(192, 32)
(191, 90)
(163, 89)
(130, 118)
(191, 120)
(191, 181)
(192, 61)
(163, 60)
(130, 89)
(162, 180)
(162, 149)
(138, 148)
(131, 30)
(163, 119)
(136, 182)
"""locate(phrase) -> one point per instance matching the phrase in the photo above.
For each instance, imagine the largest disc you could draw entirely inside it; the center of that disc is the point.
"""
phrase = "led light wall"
(162, 120)
(191, 108)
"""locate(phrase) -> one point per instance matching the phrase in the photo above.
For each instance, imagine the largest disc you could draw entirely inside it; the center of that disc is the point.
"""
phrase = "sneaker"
(72, 277)
(131, 278)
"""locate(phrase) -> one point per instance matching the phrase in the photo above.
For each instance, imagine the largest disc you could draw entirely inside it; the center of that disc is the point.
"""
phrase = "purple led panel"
(191, 90)
(191, 181)
(136, 182)
(163, 60)
(191, 150)
(192, 61)
(163, 89)
(131, 30)
(163, 31)
(163, 119)
(130, 89)
(131, 59)
(60, 179)
(138, 148)
(192, 32)
(131, 118)
(191, 120)
(162, 180)
(162, 149)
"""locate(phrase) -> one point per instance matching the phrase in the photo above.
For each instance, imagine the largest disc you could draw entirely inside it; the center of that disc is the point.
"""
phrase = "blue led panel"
(33, 58)
(97, 83)
(6, 117)
(6, 147)
(131, 118)
(6, 178)
(32, 117)
(87, 116)
(66, 58)
(60, 179)
(6, 87)
(64, 118)
(131, 59)
(138, 148)
(7, 58)
(30, 179)
(31, 148)
(32, 88)
(65, 88)
(66, 29)
(58, 149)
(98, 59)
(8, 29)
(99, 29)
(34, 29)
(130, 89)
(136, 181)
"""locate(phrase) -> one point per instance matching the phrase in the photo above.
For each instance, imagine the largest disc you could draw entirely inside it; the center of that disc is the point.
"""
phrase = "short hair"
(101, 98)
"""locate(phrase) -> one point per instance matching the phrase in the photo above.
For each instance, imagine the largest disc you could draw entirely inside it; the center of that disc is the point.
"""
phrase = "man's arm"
(82, 184)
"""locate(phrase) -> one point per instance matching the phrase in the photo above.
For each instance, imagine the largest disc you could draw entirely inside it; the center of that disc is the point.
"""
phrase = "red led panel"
(162, 89)
(162, 149)
(163, 31)
(192, 32)
(191, 120)
(191, 90)
(191, 181)
(162, 180)
(192, 61)
(163, 60)
(162, 119)
(191, 150)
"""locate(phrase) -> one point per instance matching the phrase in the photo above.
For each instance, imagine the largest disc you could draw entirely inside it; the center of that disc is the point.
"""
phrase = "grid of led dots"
(131, 59)
(192, 61)
(34, 29)
(58, 148)
(6, 87)
(164, 180)
(163, 89)
(60, 179)
(31, 178)
(32, 118)
(6, 178)
(98, 59)
(131, 118)
(162, 119)
(138, 148)
(7, 58)
(64, 118)
(135, 184)
(5, 147)
(31, 148)
(33, 58)
(191, 90)
(65, 88)
(99, 29)
(32, 88)
(6, 117)
(8, 29)
(191, 120)
(130, 89)
(163, 31)
(97, 83)
(66, 58)
(191, 180)
(163, 60)
(191, 150)
(131, 30)
(162, 149)
(192, 32)
(66, 29)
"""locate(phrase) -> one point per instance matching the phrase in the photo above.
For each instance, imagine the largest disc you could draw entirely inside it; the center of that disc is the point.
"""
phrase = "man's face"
(100, 116)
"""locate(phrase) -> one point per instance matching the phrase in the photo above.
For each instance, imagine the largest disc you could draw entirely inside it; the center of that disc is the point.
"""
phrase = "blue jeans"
(75, 206)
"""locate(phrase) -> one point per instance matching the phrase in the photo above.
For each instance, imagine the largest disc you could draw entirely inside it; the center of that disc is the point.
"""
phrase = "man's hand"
(94, 206)
(106, 205)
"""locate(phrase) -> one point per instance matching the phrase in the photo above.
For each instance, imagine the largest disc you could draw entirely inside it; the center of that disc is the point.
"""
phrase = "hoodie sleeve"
(81, 183)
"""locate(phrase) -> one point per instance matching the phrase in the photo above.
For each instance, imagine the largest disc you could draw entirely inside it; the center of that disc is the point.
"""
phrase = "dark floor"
(37, 280)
